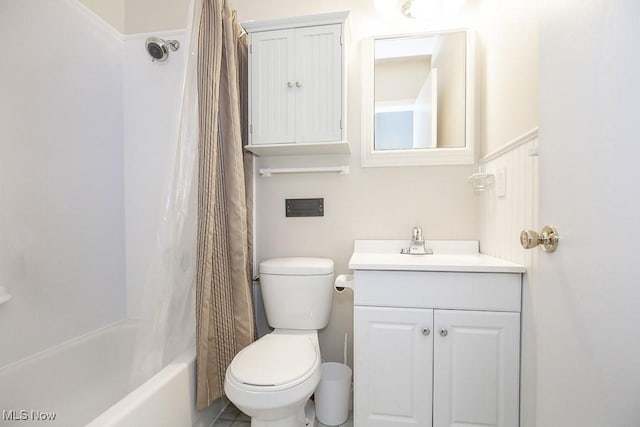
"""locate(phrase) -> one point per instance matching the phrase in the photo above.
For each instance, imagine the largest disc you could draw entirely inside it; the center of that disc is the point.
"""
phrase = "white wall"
(152, 93)
(503, 214)
(508, 70)
(152, 15)
(369, 203)
(141, 16)
(61, 168)
(112, 11)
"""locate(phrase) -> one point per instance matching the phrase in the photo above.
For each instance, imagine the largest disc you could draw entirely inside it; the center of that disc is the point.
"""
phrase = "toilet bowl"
(272, 379)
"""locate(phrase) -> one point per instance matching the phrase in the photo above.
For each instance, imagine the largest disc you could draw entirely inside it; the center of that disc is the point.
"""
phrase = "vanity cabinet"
(454, 367)
(436, 337)
(393, 366)
(297, 85)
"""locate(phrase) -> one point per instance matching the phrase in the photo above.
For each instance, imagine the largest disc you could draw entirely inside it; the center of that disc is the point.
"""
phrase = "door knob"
(298, 84)
(289, 84)
(548, 238)
(444, 332)
(426, 331)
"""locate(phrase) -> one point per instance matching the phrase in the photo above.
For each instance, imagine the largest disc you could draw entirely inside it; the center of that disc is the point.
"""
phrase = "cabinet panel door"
(319, 75)
(272, 101)
(476, 369)
(392, 367)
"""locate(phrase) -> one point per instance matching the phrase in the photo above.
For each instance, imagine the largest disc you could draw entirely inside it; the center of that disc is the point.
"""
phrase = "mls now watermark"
(27, 415)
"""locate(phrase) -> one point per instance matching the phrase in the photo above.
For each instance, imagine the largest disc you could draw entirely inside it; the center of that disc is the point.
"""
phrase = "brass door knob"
(548, 238)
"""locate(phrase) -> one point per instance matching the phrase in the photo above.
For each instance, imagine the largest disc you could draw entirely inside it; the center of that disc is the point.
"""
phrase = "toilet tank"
(297, 292)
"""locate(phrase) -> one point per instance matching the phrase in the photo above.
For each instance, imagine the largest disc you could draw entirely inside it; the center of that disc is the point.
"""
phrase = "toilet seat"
(275, 362)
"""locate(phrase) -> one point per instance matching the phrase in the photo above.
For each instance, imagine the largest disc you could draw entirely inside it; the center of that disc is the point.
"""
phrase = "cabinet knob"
(444, 332)
(289, 84)
(298, 84)
(426, 331)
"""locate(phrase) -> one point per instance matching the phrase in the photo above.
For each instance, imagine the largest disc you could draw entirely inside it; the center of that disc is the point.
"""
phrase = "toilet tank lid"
(297, 266)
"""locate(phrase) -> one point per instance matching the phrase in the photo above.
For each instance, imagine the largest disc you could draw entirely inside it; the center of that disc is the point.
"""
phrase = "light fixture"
(418, 9)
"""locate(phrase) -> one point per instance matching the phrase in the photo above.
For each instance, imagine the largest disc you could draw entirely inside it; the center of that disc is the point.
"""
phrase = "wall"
(152, 93)
(503, 214)
(61, 201)
(112, 11)
(369, 203)
(508, 64)
(141, 16)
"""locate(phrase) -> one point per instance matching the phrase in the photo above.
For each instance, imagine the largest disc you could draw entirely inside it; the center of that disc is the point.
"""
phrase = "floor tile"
(233, 417)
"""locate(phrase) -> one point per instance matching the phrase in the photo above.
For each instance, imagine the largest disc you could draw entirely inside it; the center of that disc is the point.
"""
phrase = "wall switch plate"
(304, 207)
(501, 182)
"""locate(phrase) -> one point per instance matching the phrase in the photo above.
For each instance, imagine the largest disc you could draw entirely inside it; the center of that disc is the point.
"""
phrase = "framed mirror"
(417, 94)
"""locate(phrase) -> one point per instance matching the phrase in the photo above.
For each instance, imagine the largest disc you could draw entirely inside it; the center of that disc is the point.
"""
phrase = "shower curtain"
(224, 316)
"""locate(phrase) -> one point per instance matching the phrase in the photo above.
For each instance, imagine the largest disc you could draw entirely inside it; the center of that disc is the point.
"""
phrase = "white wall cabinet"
(297, 86)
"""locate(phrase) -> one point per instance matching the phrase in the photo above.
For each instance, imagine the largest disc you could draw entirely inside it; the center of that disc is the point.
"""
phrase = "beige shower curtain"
(224, 318)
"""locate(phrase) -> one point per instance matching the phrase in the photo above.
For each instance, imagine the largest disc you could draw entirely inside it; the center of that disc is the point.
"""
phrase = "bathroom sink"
(448, 255)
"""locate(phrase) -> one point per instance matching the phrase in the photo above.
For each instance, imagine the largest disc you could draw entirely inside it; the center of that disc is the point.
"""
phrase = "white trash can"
(333, 394)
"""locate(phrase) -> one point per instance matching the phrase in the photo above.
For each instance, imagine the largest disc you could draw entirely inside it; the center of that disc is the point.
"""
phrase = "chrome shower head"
(159, 48)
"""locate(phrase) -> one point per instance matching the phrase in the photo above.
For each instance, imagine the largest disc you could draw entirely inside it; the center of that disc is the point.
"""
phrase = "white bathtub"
(86, 382)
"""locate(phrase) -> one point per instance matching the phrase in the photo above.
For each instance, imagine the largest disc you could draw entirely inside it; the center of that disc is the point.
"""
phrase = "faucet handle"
(417, 234)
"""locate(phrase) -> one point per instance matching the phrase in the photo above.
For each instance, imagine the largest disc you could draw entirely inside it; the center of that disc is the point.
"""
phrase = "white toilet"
(272, 379)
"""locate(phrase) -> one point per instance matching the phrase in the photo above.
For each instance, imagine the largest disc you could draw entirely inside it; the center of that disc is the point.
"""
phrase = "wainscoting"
(505, 209)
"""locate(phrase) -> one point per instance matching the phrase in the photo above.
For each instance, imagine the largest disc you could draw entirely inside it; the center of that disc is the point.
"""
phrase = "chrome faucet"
(417, 235)
(417, 246)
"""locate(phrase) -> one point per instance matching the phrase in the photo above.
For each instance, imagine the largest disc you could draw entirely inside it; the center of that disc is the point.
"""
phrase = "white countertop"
(455, 256)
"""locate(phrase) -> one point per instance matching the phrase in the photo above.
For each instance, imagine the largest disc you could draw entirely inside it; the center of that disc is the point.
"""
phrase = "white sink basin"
(448, 255)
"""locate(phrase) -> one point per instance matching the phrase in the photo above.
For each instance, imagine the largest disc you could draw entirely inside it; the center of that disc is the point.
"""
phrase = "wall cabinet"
(297, 85)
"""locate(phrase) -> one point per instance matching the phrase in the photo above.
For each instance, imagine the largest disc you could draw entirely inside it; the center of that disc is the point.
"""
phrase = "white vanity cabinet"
(297, 85)
(410, 373)
(392, 366)
(437, 344)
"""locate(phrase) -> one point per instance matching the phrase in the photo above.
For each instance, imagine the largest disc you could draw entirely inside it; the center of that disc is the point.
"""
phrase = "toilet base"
(305, 417)
(310, 413)
(297, 419)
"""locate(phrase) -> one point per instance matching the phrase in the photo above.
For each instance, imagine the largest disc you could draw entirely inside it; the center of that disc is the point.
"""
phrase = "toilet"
(272, 379)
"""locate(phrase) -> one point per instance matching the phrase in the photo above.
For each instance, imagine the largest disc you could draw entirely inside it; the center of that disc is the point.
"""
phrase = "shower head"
(159, 49)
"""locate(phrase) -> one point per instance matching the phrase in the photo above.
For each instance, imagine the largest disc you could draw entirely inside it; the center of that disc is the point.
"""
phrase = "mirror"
(417, 99)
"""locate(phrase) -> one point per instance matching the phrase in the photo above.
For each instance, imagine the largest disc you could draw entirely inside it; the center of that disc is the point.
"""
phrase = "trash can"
(333, 394)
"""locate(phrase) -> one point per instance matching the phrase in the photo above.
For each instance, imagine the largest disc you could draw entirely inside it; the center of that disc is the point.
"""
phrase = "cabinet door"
(476, 369)
(272, 69)
(392, 367)
(319, 77)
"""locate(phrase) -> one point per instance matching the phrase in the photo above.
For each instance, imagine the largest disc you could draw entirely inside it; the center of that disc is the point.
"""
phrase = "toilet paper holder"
(342, 282)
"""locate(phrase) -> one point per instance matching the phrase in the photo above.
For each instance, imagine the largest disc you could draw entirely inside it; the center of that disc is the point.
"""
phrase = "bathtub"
(85, 382)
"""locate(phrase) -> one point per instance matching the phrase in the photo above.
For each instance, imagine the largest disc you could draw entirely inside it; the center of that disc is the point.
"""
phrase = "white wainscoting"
(502, 215)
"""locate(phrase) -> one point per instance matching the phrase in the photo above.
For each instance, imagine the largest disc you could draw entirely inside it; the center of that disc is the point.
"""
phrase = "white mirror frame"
(416, 157)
